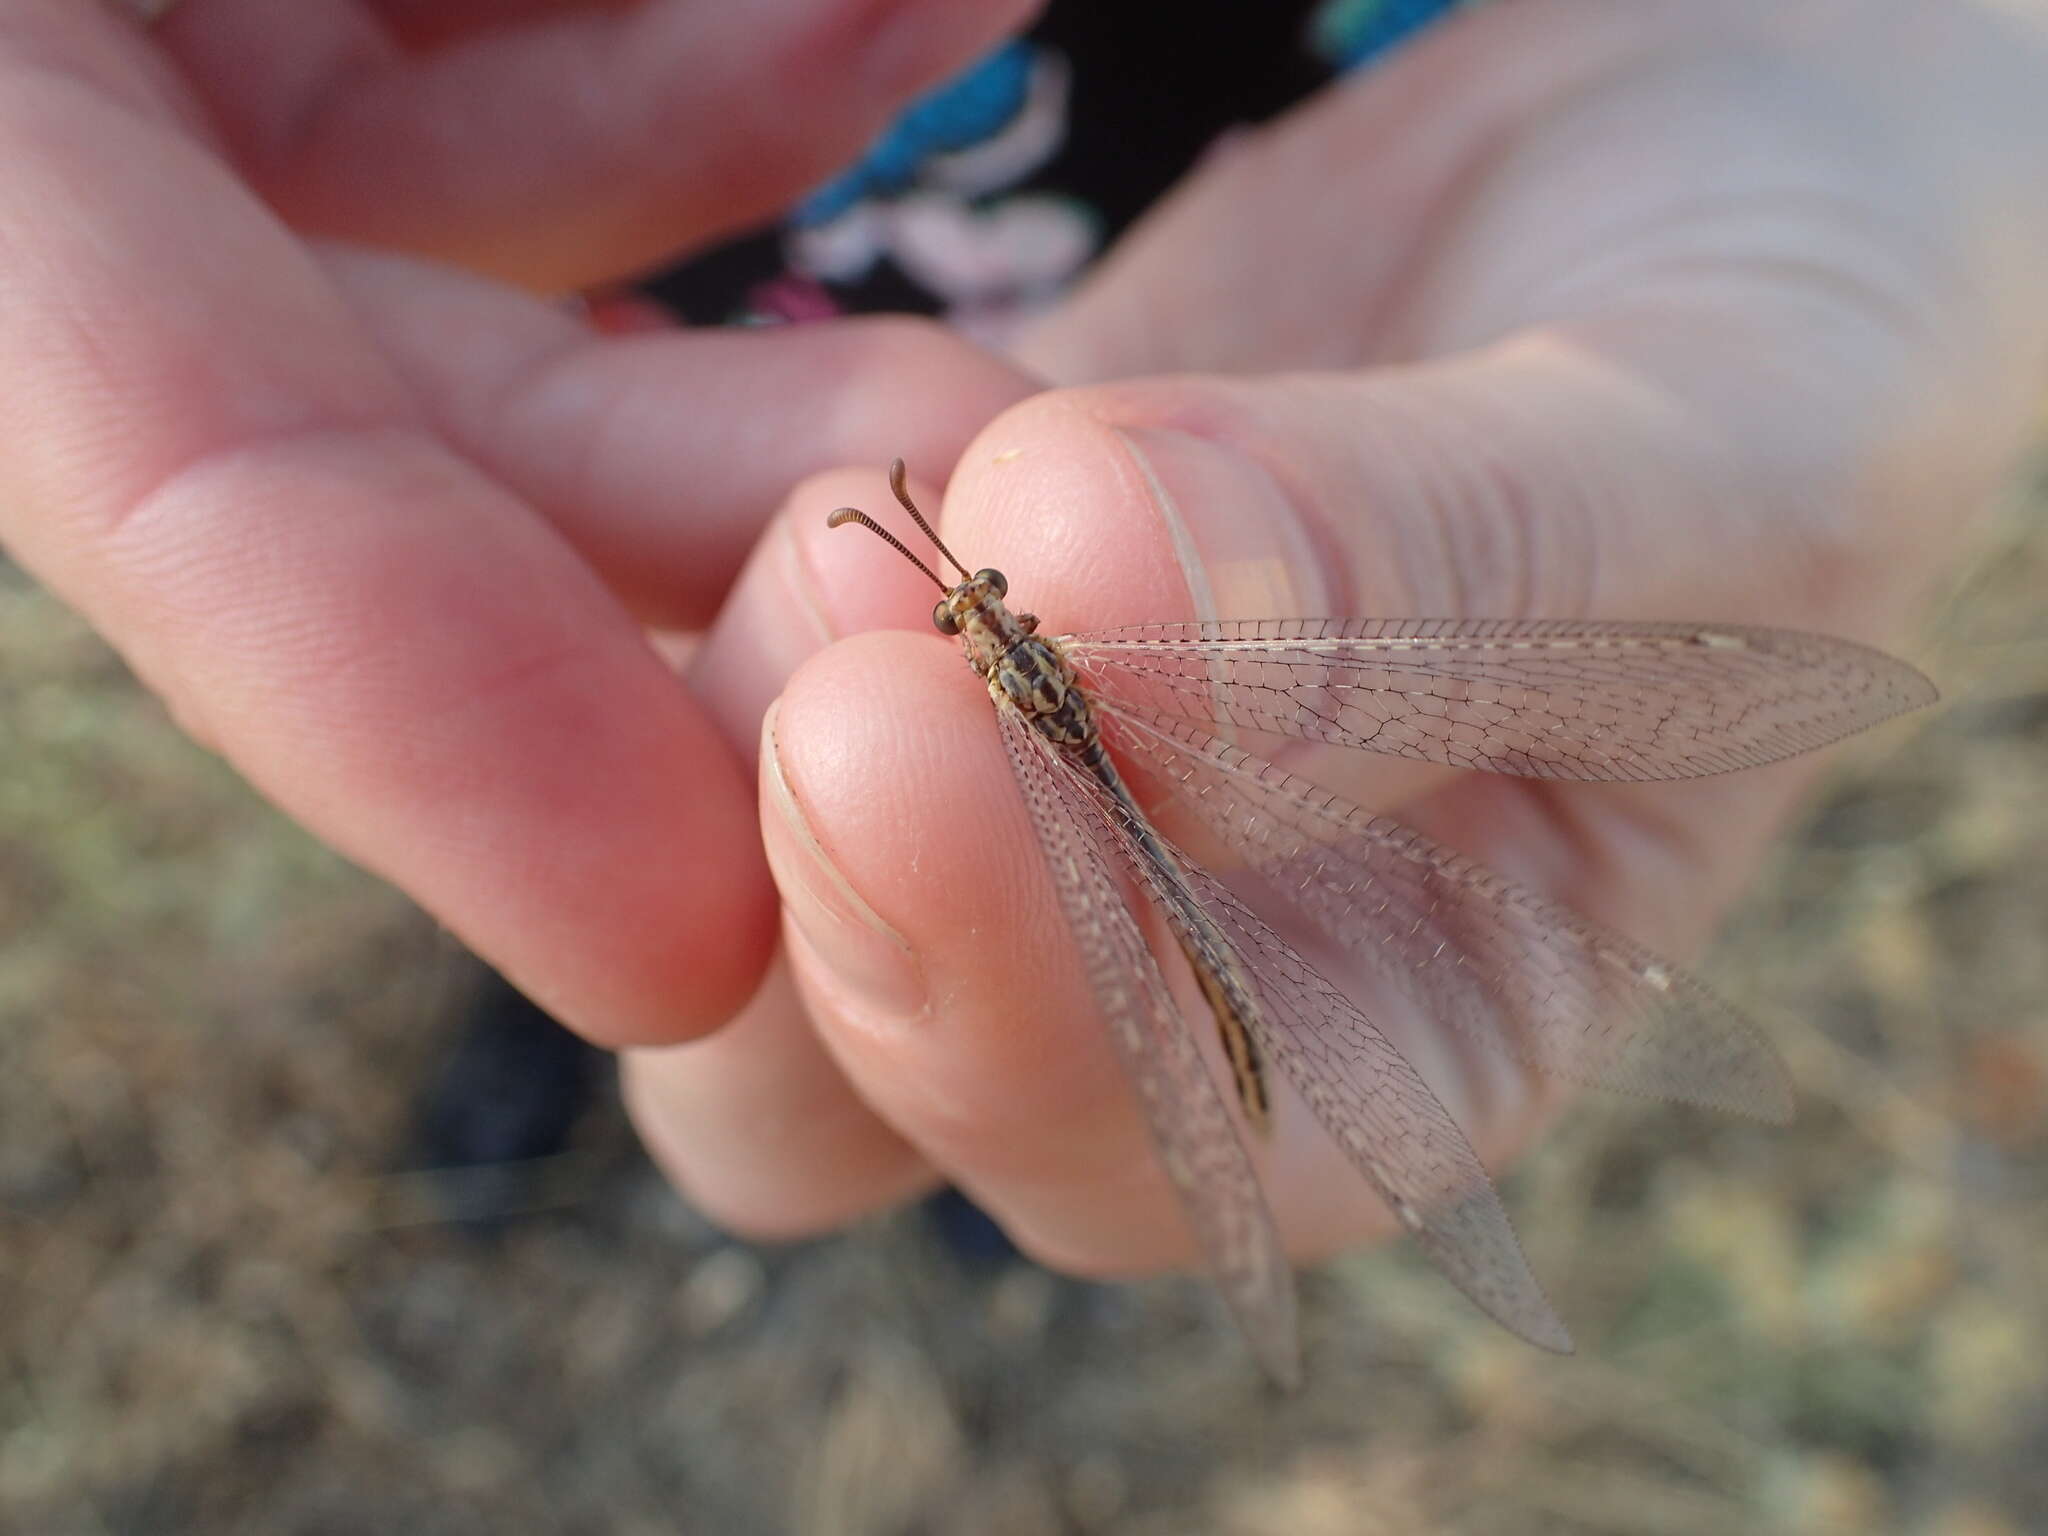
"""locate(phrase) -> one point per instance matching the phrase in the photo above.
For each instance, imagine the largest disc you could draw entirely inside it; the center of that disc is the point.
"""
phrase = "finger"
(835, 1157)
(587, 430)
(901, 847)
(210, 462)
(567, 147)
(597, 432)
(1065, 534)
(1505, 484)
(914, 793)
(805, 587)
(759, 1128)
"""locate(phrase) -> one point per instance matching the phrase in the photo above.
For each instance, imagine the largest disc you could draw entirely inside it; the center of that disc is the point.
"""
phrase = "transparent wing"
(1367, 1097)
(1194, 1132)
(1443, 934)
(1547, 699)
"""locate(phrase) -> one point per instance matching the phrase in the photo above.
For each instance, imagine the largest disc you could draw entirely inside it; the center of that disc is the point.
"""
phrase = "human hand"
(386, 535)
(1622, 312)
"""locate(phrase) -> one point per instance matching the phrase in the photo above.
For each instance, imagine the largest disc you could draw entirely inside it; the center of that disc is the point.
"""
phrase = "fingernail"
(1240, 540)
(868, 959)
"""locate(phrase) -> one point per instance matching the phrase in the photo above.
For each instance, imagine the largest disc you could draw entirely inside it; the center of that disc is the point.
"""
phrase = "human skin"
(1570, 310)
(384, 533)
(1626, 311)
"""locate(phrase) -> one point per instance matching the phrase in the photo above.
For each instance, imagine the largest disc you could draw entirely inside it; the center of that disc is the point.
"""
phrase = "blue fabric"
(964, 111)
(1352, 32)
(977, 104)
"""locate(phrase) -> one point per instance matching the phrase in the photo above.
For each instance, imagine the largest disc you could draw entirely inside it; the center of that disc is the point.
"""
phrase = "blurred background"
(234, 1297)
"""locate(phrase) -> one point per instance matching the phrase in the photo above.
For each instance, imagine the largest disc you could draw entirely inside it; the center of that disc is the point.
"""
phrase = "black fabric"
(1152, 87)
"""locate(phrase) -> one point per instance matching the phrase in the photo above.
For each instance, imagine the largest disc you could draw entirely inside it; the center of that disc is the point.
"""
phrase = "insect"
(1083, 716)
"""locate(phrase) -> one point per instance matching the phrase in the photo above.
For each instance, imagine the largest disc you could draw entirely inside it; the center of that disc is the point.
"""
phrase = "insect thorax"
(1031, 676)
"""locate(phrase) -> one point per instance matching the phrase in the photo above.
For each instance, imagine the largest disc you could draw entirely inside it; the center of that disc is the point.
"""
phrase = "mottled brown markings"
(1033, 676)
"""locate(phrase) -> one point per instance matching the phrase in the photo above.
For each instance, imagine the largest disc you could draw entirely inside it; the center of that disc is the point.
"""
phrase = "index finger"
(199, 451)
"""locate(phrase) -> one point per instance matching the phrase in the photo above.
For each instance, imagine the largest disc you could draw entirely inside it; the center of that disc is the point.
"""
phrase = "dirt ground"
(225, 1307)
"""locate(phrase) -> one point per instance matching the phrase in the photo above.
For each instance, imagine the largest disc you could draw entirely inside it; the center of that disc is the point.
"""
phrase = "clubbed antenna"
(896, 484)
(845, 515)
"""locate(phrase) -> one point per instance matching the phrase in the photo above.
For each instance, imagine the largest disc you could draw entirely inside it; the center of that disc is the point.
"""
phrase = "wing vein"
(1536, 698)
(1193, 1130)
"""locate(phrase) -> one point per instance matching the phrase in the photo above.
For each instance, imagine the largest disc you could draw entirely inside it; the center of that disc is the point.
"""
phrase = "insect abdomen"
(1230, 1004)
(1210, 955)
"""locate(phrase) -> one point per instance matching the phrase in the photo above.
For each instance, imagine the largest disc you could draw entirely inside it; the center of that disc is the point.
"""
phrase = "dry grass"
(222, 1310)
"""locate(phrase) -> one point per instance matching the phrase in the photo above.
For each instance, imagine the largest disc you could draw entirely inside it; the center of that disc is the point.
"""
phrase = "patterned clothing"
(988, 195)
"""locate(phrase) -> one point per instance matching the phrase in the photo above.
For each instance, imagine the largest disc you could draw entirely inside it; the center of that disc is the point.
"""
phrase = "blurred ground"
(223, 1310)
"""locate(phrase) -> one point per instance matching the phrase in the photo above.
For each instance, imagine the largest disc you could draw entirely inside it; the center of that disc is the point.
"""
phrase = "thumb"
(1537, 478)
(1533, 480)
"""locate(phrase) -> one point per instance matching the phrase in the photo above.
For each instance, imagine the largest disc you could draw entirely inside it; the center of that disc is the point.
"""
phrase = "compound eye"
(998, 582)
(943, 619)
